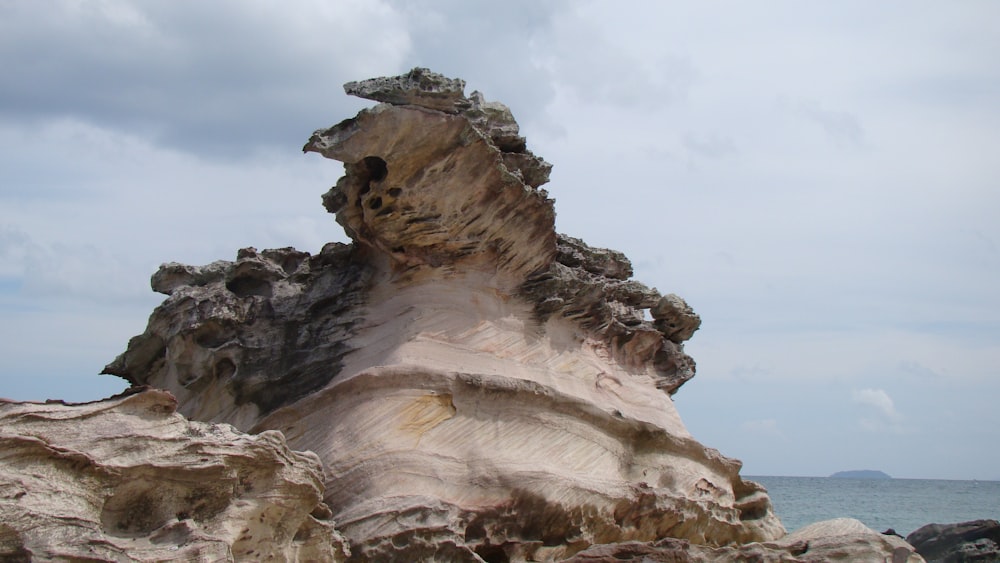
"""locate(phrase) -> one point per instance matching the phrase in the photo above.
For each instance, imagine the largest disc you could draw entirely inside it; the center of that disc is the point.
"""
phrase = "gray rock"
(173, 275)
(532, 170)
(675, 318)
(592, 287)
(419, 87)
(497, 122)
(269, 328)
(977, 540)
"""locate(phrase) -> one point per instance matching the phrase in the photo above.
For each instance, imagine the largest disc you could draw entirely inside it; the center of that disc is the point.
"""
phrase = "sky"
(819, 180)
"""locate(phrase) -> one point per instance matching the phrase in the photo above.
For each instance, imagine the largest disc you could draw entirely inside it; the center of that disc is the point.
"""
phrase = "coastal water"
(901, 504)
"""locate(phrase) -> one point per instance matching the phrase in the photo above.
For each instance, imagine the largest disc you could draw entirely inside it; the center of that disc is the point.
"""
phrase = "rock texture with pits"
(129, 479)
(476, 386)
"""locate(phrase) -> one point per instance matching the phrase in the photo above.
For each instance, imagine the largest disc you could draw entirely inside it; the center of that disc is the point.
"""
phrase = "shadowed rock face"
(477, 386)
(236, 340)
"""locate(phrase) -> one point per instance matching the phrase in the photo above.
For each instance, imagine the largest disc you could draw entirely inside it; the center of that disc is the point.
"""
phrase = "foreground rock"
(841, 539)
(978, 540)
(129, 479)
(478, 387)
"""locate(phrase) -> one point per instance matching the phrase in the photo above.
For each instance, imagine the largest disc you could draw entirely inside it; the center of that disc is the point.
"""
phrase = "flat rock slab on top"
(419, 87)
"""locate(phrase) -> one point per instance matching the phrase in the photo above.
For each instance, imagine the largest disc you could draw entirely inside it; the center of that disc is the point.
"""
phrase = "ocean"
(901, 504)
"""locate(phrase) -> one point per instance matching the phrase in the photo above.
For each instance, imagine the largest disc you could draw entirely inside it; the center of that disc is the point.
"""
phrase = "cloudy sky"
(820, 180)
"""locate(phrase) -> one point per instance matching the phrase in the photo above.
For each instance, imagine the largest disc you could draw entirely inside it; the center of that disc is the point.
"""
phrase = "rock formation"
(477, 387)
(978, 540)
(840, 539)
(129, 479)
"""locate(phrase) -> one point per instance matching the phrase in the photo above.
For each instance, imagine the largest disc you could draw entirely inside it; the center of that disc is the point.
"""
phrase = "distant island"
(860, 474)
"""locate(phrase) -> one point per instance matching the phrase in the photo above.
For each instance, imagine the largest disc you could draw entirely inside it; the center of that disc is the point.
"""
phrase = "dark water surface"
(901, 504)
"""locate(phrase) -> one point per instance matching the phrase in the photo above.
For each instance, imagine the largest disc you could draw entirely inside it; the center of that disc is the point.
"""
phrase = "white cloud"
(198, 77)
(881, 414)
(877, 399)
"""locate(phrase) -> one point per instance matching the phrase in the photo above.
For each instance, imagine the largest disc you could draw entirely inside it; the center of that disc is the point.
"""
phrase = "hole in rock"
(474, 531)
(492, 554)
(224, 368)
(137, 510)
(377, 169)
(291, 263)
(399, 250)
(385, 211)
(213, 334)
(248, 286)
(142, 503)
(394, 192)
(375, 203)
(755, 512)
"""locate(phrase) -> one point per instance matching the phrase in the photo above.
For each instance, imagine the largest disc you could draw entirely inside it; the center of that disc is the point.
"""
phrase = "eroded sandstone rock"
(848, 540)
(477, 387)
(129, 479)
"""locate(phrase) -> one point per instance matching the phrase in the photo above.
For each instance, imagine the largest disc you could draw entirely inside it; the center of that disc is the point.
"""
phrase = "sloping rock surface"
(848, 540)
(129, 479)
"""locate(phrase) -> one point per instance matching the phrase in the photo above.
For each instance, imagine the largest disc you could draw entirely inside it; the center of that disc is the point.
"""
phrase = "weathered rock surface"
(848, 540)
(978, 540)
(841, 539)
(129, 479)
(478, 387)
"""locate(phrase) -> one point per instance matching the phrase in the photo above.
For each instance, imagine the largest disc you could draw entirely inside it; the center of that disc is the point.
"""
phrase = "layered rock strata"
(129, 479)
(478, 387)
